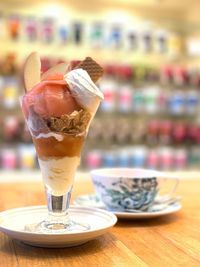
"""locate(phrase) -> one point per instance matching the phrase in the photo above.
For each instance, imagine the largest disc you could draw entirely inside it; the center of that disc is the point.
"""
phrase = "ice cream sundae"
(58, 107)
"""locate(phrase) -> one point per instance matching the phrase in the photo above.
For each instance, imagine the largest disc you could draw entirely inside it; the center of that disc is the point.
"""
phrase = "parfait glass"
(59, 156)
(58, 110)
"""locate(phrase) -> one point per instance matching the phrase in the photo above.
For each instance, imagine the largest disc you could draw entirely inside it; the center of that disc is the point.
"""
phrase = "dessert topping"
(74, 123)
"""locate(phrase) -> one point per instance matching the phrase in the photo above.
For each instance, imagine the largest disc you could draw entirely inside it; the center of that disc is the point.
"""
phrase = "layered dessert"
(59, 106)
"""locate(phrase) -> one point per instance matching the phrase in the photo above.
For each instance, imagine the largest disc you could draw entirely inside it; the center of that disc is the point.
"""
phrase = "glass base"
(62, 227)
(58, 220)
(57, 228)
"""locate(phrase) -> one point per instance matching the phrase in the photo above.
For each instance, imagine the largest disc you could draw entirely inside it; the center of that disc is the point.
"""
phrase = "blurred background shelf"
(150, 51)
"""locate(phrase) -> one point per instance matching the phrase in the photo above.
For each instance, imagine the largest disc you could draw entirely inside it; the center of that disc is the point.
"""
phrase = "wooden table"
(168, 241)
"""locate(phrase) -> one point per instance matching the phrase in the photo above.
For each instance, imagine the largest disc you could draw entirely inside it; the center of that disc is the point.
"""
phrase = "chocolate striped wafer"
(92, 67)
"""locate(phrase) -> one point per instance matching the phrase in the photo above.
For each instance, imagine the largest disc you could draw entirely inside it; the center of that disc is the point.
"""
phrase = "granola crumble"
(74, 123)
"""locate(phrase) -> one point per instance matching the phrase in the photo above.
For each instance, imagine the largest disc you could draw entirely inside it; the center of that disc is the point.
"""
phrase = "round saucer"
(148, 215)
(92, 200)
(13, 222)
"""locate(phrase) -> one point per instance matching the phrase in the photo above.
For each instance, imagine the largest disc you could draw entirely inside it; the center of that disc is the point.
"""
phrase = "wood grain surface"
(168, 241)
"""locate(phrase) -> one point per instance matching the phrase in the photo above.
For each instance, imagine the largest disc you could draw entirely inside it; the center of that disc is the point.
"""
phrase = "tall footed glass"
(59, 156)
(58, 110)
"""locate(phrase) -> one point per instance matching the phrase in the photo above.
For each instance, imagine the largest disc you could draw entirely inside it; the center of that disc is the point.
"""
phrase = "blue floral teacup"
(126, 188)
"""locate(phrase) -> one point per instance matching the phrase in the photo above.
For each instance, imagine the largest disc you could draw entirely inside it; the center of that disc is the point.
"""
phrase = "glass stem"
(58, 206)
(58, 219)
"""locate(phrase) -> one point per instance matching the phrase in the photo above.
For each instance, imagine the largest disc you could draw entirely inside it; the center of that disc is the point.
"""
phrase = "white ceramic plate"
(147, 215)
(93, 201)
(12, 223)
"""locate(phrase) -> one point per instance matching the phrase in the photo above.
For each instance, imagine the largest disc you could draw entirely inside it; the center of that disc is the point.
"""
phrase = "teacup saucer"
(92, 200)
(12, 223)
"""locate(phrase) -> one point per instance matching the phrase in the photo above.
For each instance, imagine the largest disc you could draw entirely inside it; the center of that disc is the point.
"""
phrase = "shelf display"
(100, 34)
(157, 120)
(165, 158)
(152, 97)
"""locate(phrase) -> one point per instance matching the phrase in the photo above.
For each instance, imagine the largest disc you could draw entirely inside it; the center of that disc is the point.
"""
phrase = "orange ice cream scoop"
(51, 98)
(58, 101)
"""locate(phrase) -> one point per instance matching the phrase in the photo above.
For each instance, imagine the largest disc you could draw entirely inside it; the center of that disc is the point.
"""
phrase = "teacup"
(127, 188)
